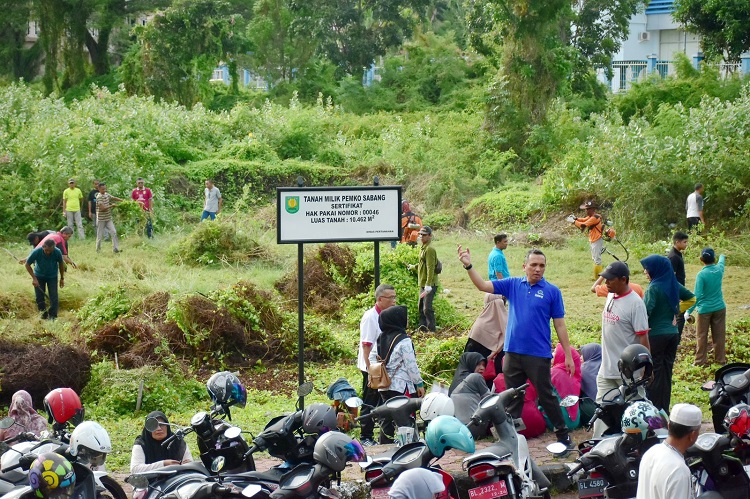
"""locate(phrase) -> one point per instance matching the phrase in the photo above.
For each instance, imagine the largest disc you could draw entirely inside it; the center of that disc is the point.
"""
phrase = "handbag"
(377, 375)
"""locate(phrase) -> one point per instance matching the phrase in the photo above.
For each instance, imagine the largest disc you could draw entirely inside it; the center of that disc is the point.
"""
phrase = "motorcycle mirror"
(218, 464)
(557, 448)
(6, 423)
(569, 401)
(152, 424)
(354, 402)
(708, 386)
(137, 481)
(251, 490)
(232, 432)
(305, 389)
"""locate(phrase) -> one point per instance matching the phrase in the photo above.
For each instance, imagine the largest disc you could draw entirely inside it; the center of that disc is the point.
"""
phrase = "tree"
(16, 60)
(722, 25)
(352, 33)
(177, 51)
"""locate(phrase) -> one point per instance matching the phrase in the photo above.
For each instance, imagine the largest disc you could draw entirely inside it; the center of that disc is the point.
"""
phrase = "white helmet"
(436, 404)
(90, 442)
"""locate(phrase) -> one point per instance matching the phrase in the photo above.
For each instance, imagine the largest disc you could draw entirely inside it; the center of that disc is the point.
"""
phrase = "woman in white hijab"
(417, 483)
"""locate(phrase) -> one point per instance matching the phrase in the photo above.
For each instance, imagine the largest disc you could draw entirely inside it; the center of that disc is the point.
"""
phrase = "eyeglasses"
(389, 297)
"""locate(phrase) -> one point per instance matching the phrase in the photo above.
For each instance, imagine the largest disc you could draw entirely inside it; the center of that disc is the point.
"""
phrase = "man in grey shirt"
(212, 206)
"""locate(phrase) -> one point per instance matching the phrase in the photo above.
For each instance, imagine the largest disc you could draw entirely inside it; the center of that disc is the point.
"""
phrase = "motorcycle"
(731, 386)
(716, 463)
(26, 446)
(506, 468)
(312, 480)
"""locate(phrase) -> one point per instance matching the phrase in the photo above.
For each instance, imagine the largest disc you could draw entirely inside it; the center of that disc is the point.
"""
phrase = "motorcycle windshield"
(605, 448)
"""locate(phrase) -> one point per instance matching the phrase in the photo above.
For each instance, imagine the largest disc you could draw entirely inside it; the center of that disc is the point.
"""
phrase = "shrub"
(505, 207)
(216, 241)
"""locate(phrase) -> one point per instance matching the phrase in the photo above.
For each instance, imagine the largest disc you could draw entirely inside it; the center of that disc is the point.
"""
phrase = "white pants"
(75, 220)
(596, 251)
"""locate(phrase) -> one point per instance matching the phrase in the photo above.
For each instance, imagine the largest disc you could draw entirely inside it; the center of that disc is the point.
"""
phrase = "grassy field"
(144, 267)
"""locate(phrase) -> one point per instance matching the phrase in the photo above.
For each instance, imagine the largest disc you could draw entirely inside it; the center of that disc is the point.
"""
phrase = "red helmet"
(63, 405)
(737, 420)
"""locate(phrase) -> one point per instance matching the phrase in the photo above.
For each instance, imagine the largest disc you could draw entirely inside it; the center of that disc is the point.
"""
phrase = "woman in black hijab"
(468, 363)
(148, 453)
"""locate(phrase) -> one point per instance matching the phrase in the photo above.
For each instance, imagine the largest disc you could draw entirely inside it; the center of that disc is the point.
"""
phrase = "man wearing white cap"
(663, 473)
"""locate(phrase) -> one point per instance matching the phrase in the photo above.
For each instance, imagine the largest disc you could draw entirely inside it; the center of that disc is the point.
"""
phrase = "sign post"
(330, 215)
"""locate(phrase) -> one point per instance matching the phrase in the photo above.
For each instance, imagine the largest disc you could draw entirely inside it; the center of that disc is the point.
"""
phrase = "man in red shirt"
(61, 242)
(145, 198)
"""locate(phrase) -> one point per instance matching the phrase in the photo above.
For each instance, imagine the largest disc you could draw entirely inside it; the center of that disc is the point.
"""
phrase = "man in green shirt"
(712, 311)
(428, 279)
(72, 199)
(48, 262)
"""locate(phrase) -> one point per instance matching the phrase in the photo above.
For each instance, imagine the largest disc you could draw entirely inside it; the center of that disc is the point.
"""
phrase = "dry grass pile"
(328, 275)
(38, 369)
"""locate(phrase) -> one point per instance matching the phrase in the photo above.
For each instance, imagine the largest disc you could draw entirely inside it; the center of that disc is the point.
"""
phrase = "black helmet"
(632, 359)
(225, 389)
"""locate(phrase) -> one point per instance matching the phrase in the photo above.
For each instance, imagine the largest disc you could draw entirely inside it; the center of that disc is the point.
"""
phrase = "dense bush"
(512, 205)
(217, 241)
(647, 169)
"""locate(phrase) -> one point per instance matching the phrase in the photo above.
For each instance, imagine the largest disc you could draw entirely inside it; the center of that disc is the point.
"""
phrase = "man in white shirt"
(214, 201)
(369, 330)
(694, 207)
(624, 323)
(663, 473)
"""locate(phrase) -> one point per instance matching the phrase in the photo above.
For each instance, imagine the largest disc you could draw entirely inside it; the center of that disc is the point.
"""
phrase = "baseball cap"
(708, 254)
(616, 270)
(71, 180)
(426, 230)
(686, 415)
(587, 205)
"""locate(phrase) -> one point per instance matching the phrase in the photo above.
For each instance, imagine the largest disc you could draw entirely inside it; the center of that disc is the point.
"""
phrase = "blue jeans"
(207, 214)
(51, 286)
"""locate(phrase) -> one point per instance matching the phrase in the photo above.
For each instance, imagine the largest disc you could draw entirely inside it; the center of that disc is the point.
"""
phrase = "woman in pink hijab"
(565, 383)
(26, 418)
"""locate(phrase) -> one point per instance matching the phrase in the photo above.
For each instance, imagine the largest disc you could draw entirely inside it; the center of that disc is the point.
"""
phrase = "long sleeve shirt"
(138, 460)
(594, 224)
(402, 367)
(708, 294)
(426, 269)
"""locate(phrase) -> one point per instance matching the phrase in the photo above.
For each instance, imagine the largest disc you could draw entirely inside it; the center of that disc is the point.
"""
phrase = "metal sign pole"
(301, 317)
(376, 182)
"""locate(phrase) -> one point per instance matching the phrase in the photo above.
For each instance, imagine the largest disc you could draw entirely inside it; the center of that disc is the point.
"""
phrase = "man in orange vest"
(595, 225)
(410, 224)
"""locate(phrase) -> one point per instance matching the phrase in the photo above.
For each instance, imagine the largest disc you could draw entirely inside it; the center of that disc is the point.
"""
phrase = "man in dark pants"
(679, 243)
(369, 331)
(428, 279)
(48, 260)
(528, 348)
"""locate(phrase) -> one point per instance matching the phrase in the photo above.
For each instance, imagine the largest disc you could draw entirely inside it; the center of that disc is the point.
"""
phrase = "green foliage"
(439, 220)
(105, 306)
(439, 359)
(647, 169)
(515, 204)
(687, 89)
(394, 271)
(212, 242)
(114, 393)
(721, 25)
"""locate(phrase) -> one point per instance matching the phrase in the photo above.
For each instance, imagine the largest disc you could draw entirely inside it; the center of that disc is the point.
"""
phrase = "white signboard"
(338, 214)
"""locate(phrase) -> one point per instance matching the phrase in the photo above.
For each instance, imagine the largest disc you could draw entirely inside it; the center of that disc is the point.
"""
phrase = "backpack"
(438, 267)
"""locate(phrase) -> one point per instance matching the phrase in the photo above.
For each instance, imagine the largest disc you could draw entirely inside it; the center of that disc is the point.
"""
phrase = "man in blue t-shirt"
(49, 261)
(528, 347)
(497, 265)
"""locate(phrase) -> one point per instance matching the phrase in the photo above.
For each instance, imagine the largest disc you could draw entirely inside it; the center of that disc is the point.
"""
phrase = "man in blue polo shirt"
(528, 346)
(48, 260)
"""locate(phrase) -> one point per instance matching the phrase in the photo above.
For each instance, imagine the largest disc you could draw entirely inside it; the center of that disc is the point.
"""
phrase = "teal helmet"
(447, 432)
(640, 417)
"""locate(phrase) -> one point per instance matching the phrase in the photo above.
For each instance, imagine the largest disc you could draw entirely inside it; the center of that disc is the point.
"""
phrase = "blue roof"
(660, 7)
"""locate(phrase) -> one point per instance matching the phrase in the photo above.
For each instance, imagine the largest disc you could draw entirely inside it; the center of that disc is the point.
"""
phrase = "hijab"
(153, 449)
(392, 322)
(662, 276)
(26, 418)
(592, 360)
(417, 483)
(563, 382)
(467, 364)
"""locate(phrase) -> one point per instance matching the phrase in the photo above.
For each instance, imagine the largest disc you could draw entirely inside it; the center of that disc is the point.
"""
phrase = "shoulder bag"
(377, 375)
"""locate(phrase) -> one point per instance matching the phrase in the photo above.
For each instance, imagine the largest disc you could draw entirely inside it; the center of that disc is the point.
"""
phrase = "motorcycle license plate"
(591, 487)
(491, 491)
(380, 493)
